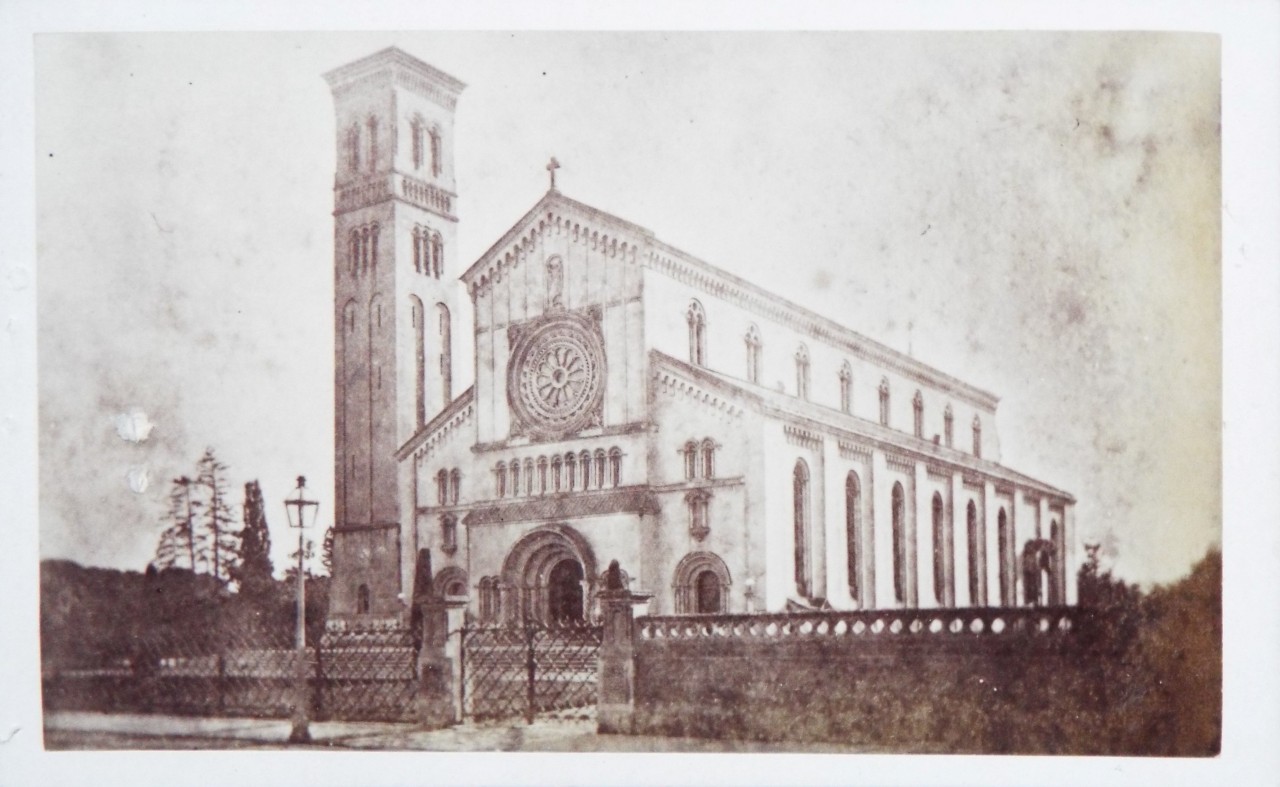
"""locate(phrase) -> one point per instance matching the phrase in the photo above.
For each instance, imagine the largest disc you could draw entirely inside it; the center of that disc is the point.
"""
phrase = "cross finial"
(552, 166)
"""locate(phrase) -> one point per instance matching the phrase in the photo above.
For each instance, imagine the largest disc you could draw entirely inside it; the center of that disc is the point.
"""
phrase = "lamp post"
(302, 514)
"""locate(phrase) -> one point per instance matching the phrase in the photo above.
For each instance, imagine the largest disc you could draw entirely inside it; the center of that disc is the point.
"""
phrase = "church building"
(734, 451)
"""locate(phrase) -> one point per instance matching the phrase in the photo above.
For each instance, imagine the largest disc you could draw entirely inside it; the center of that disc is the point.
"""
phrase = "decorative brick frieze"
(802, 438)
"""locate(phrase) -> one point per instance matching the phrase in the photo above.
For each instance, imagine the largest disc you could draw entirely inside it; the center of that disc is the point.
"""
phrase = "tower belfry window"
(415, 133)
(372, 124)
(435, 152)
(353, 148)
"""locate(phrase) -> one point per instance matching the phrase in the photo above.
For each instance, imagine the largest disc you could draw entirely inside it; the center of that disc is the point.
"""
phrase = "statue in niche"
(555, 284)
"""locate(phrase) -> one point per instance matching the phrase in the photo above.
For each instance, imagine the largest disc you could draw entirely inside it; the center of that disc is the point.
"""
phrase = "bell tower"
(394, 289)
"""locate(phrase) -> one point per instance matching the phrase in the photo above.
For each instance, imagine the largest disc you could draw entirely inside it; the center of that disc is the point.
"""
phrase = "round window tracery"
(555, 378)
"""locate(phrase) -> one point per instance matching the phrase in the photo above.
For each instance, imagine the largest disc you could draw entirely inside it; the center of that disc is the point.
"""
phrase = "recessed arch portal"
(540, 570)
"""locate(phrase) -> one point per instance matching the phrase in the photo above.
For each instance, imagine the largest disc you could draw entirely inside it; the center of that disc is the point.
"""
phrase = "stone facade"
(733, 451)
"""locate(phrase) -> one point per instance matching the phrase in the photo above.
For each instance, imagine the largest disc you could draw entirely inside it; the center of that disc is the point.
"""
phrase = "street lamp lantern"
(302, 514)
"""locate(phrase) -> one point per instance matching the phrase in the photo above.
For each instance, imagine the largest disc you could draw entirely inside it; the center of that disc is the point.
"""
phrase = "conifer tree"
(253, 569)
(182, 545)
(218, 521)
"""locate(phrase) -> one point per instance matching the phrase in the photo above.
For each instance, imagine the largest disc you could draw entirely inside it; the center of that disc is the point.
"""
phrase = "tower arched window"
(884, 401)
(939, 551)
(442, 487)
(500, 472)
(917, 411)
(800, 528)
(362, 600)
(948, 426)
(571, 471)
(977, 436)
(416, 137)
(353, 252)
(353, 148)
(1005, 538)
(600, 468)
(899, 516)
(542, 475)
(753, 354)
(584, 463)
(364, 250)
(435, 152)
(802, 372)
(420, 359)
(708, 458)
(697, 320)
(615, 466)
(417, 249)
(455, 485)
(514, 469)
(846, 387)
(372, 125)
(853, 533)
(556, 472)
(974, 534)
(446, 352)
(437, 255)
(528, 476)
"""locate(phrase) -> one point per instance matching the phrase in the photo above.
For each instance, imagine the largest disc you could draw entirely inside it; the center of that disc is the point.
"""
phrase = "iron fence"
(352, 676)
(528, 668)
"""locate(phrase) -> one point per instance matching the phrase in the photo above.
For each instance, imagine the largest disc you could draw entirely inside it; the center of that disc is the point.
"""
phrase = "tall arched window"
(515, 477)
(556, 473)
(853, 533)
(442, 487)
(975, 563)
(500, 472)
(420, 363)
(802, 372)
(448, 534)
(899, 503)
(1006, 558)
(884, 401)
(372, 124)
(353, 148)
(555, 283)
(939, 551)
(697, 319)
(584, 462)
(416, 135)
(800, 515)
(690, 460)
(708, 458)
(528, 476)
(948, 426)
(362, 600)
(364, 250)
(846, 387)
(542, 475)
(353, 252)
(977, 436)
(417, 249)
(446, 352)
(917, 408)
(455, 485)
(373, 247)
(753, 354)
(571, 471)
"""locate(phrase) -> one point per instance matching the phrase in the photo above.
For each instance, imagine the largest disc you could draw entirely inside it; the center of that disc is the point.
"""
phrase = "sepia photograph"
(776, 392)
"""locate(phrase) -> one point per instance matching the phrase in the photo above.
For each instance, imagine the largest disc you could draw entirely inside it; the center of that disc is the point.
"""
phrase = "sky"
(1037, 214)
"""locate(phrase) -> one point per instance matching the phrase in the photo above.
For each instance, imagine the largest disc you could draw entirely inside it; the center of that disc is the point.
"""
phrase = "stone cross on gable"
(552, 166)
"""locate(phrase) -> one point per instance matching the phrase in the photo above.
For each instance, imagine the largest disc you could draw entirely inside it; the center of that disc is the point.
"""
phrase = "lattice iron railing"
(353, 676)
(528, 668)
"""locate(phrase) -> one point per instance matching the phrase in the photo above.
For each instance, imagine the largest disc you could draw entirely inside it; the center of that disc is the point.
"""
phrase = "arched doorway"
(564, 592)
(550, 573)
(708, 593)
